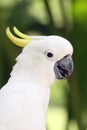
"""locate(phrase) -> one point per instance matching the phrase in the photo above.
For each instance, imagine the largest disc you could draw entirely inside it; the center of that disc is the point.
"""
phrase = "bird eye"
(49, 54)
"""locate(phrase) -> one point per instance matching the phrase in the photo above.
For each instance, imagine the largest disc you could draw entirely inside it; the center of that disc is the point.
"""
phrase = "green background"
(67, 18)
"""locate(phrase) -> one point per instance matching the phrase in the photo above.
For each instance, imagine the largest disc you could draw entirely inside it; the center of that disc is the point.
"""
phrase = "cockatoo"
(24, 99)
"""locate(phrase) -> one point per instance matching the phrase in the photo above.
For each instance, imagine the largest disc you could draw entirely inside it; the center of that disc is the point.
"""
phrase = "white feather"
(24, 99)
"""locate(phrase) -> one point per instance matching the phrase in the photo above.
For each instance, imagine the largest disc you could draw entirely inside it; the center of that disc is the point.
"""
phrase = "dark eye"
(49, 54)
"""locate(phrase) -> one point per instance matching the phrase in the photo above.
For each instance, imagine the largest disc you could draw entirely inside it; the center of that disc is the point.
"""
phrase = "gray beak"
(64, 67)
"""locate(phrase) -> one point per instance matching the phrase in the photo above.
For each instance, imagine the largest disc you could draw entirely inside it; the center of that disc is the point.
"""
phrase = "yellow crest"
(22, 41)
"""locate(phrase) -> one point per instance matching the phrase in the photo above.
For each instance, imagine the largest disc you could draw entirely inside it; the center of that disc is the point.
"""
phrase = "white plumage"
(24, 99)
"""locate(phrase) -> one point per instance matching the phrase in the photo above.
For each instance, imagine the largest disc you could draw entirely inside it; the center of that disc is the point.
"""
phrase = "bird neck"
(21, 82)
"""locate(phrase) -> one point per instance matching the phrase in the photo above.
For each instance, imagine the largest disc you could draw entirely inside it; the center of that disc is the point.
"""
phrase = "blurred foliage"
(67, 18)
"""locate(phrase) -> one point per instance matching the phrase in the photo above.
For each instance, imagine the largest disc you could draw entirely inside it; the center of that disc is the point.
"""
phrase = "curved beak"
(64, 67)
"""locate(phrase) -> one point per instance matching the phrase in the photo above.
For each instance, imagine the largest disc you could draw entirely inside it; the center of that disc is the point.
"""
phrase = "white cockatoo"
(25, 97)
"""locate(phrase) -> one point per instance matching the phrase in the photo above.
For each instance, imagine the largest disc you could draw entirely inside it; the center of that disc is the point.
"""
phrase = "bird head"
(44, 58)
